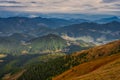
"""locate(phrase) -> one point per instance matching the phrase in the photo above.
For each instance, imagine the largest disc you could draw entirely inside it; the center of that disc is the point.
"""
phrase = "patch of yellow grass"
(2, 55)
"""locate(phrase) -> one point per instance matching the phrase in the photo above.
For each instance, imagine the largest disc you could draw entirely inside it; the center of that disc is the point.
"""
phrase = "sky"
(35, 7)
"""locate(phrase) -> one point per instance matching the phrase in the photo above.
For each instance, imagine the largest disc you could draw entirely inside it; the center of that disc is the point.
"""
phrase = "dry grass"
(107, 68)
(102, 50)
(109, 71)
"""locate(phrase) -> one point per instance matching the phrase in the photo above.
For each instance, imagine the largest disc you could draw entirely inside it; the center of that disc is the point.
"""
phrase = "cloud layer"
(109, 1)
(62, 6)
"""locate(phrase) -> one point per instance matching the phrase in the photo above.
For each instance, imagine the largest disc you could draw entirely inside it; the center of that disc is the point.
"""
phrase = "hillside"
(11, 65)
(14, 44)
(47, 44)
(55, 67)
(10, 45)
(31, 26)
(81, 29)
(54, 43)
(106, 68)
(35, 26)
(18, 44)
(109, 71)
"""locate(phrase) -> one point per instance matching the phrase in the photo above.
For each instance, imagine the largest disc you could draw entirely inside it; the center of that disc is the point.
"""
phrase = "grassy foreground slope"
(110, 71)
(107, 68)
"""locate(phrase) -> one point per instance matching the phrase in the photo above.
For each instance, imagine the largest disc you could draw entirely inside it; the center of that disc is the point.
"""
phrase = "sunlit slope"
(107, 68)
(110, 71)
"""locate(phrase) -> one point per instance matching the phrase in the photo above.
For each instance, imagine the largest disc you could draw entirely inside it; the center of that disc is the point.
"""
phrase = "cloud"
(61, 6)
(110, 1)
(9, 2)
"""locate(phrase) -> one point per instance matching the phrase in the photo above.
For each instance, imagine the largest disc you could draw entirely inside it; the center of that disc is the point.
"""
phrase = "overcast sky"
(61, 6)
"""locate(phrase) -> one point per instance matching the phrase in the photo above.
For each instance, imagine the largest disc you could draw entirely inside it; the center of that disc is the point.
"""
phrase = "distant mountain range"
(25, 24)
(92, 32)
(107, 20)
(33, 26)
(38, 21)
(75, 28)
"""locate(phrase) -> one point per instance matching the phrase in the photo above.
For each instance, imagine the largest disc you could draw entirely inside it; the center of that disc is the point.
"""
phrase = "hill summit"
(47, 44)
